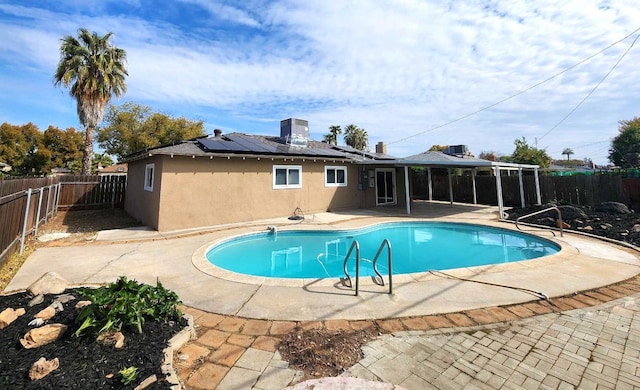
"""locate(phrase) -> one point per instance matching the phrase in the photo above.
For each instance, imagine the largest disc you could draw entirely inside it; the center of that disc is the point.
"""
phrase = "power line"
(592, 90)
(518, 93)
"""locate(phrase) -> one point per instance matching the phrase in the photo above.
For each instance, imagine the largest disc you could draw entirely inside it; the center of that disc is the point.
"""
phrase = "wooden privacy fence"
(25, 204)
(92, 191)
(579, 190)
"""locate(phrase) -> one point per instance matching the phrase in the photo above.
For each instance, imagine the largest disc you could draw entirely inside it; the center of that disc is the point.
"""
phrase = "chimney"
(217, 133)
(381, 148)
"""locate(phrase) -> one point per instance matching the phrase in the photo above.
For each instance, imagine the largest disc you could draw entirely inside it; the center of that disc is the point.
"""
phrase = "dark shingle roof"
(246, 144)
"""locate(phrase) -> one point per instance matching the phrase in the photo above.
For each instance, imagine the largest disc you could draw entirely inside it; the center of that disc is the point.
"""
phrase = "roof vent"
(457, 150)
(295, 131)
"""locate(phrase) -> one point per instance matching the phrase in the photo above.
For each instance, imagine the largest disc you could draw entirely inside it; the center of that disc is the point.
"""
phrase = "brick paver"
(566, 344)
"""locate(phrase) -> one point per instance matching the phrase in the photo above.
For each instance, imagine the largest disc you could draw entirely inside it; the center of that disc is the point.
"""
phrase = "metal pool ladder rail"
(543, 211)
(356, 245)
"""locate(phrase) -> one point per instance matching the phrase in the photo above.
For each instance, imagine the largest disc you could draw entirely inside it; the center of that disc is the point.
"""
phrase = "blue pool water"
(416, 247)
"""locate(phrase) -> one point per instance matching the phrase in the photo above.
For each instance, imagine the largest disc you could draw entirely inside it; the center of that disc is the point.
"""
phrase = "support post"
(473, 180)
(407, 195)
(538, 197)
(430, 184)
(521, 183)
(499, 193)
(24, 223)
(450, 187)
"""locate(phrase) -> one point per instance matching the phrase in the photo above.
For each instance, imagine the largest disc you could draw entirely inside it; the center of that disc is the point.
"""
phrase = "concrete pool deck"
(177, 259)
(586, 340)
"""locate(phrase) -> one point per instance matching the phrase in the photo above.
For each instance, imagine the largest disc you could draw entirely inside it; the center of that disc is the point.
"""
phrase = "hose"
(539, 294)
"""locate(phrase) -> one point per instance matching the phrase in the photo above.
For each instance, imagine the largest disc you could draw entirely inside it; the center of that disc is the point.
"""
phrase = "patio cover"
(431, 159)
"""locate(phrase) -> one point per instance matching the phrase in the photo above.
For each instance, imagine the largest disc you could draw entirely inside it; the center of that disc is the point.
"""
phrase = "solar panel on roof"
(251, 144)
(239, 143)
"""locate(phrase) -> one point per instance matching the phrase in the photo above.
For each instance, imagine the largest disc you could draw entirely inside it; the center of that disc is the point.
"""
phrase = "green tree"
(437, 148)
(568, 152)
(101, 158)
(525, 154)
(22, 147)
(132, 127)
(65, 147)
(626, 145)
(95, 70)
(488, 155)
(332, 136)
(356, 137)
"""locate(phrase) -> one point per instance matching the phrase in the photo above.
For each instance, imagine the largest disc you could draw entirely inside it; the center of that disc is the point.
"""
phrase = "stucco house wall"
(143, 205)
(197, 192)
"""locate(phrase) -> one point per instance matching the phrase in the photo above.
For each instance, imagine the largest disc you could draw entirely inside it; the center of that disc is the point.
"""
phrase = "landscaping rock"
(46, 314)
(49, 283)
(82, 304)
(613, 207)
(64, 298)
(42, 336)
(38, 299)
(9, 315)
(112, 338)
(42, 368)
(572, 212)
(147, 382)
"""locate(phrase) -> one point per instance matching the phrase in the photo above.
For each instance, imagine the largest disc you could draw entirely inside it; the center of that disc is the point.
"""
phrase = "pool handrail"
(560, 224)
(384, 243)
(355, 245)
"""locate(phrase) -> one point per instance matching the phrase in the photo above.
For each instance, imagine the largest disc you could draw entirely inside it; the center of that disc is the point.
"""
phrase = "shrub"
(126, 303)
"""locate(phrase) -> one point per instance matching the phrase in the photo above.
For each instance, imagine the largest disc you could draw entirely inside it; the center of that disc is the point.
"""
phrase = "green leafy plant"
(129, 374)
(126, 303)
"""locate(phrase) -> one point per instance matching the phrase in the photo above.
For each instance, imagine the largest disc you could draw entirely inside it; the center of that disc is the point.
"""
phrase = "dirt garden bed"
(610, 220)
(84, 363)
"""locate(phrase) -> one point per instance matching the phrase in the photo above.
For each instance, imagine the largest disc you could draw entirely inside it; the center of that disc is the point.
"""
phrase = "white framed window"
(148, 177)
(287, 176)
(335, 176)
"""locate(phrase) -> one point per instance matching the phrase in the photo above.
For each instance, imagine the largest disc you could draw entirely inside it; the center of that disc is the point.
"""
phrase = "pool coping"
(200, 261)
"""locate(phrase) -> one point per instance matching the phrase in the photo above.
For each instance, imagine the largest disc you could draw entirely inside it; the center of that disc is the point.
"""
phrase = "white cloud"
(396, 68)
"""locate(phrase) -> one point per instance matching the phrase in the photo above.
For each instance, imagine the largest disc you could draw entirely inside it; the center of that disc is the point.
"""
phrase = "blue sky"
(399, 69)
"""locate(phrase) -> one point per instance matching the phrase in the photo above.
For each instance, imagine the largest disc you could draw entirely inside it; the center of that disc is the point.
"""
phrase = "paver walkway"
(589, 340)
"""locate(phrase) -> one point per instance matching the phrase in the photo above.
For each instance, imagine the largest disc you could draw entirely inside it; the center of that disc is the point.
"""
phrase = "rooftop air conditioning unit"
(295, 131)
(457, 150)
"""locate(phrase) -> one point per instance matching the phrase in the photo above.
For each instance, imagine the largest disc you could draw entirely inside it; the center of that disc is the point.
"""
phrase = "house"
(240, 177)
(116, 169)
(58, 171)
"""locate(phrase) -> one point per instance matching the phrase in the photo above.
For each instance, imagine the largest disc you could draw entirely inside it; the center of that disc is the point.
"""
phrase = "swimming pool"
(417, 247)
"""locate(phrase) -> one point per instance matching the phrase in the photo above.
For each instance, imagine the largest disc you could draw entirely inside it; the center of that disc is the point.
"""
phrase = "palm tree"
(356, 137)
(332, 136)
(568, 152)
(95, 69)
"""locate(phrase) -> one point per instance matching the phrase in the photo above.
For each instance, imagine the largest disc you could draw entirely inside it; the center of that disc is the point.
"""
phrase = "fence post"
(24, 224)
(46, 215)
(56, 198)
(35, 233)
(114, 188)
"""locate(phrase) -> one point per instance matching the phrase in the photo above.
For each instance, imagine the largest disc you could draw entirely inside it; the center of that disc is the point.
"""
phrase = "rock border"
(175, 343)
